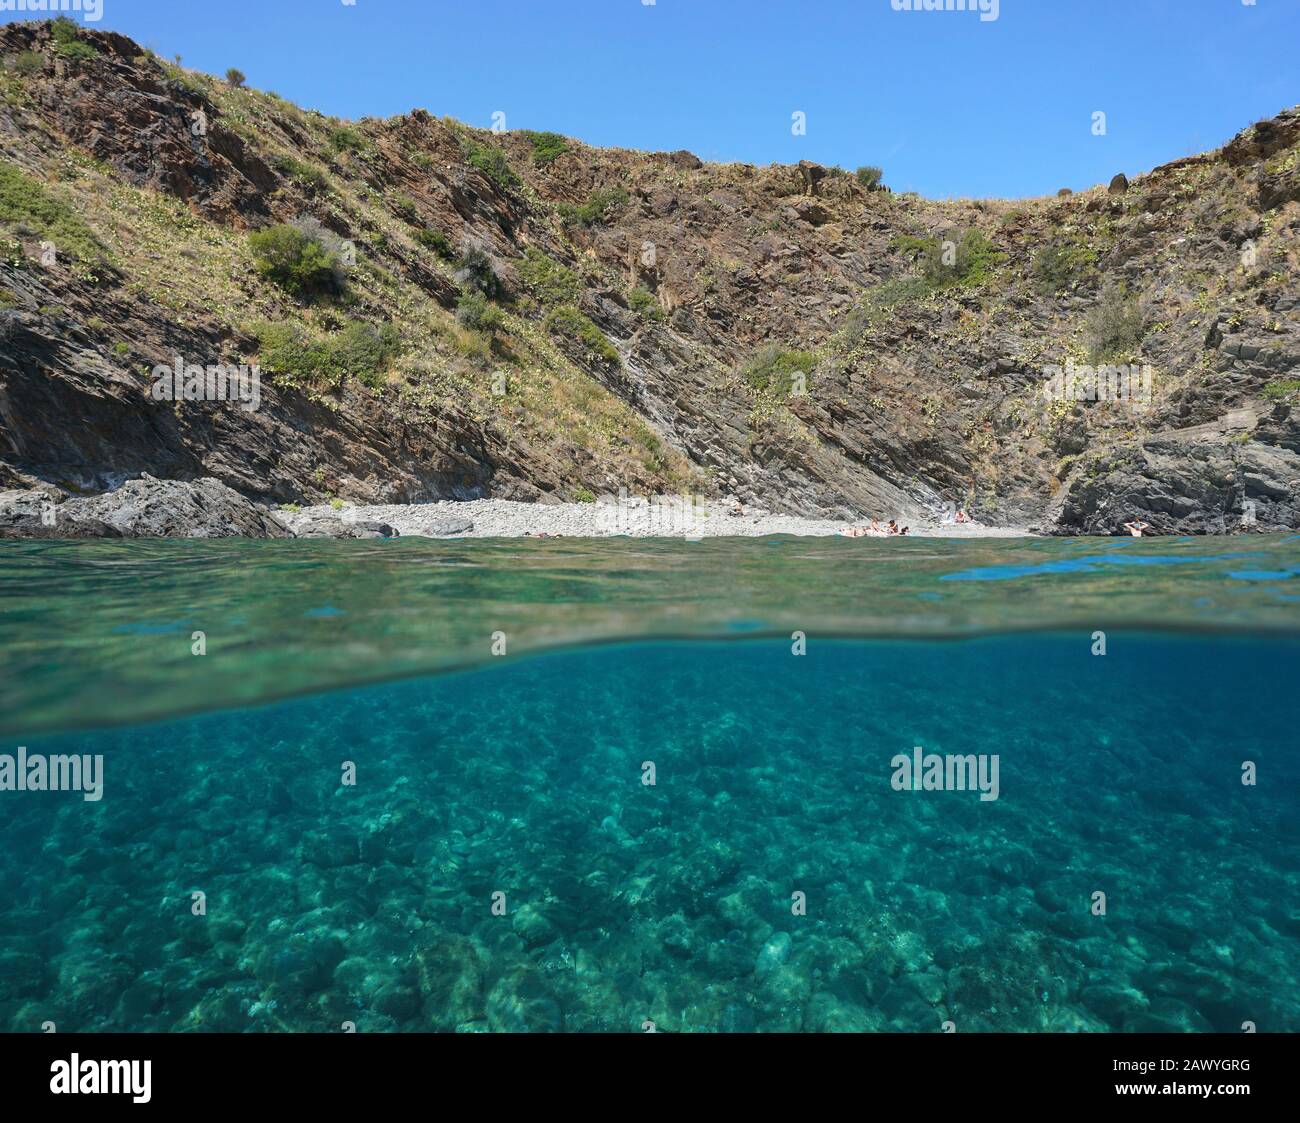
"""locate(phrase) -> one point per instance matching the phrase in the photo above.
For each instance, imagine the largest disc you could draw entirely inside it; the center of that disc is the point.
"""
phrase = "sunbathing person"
(872, 530)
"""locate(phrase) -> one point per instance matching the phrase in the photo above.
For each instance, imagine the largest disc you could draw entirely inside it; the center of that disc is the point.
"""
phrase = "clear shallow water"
(672, 903)
(93, 633)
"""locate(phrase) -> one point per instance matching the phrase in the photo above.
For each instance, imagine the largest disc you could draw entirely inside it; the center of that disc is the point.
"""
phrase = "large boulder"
(152, 508)
(40, 513)
(318, 525)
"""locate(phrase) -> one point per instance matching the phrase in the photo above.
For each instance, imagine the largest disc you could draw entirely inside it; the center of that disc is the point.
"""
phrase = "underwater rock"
(728, 958)
(449, 970)
(401, 1003)
(1114, 1003)
(773, 954)
(330, 850)
(139, 1002)
(93, 980)
(220, 1011)
(827, 1013)
(520, 1003)
(930, 986)
(22, 975)
(738, 1018)
(531, 925)
(300, 965)
(677, 938)
(1168, 1015)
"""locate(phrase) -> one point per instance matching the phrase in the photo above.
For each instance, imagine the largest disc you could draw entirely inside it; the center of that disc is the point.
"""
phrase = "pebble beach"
(503, 518)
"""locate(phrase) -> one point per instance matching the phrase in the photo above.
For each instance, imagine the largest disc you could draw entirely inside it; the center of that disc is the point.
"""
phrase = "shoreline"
(505, 518)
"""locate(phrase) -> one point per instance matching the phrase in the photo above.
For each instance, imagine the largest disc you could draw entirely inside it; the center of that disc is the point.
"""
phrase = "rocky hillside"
(444, 312)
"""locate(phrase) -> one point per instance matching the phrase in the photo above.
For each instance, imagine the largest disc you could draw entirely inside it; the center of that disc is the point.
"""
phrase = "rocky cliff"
(443, 312)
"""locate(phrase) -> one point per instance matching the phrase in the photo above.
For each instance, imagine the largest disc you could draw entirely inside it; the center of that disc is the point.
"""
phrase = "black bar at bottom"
(363, 1070)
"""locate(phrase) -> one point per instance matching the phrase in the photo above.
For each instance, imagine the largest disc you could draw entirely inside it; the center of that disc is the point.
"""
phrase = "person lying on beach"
(872, 530)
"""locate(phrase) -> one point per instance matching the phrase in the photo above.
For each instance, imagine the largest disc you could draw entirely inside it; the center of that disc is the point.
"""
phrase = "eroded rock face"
(152, 508)
(911, 403)
(1198, 483)
(40, 513)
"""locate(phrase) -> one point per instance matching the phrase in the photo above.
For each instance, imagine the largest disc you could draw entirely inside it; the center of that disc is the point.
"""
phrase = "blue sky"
(947, 104)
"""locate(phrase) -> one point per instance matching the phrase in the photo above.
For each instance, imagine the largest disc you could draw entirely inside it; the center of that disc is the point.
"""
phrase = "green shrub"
(435, 240)
(235, 77)
(363, 351)
(405, 208)
(302, 257)
(1061, 266)
(68, 41)
(967, 259)
(302, 173)
(547, 147)
(869, 176)
(475, 312)
(645, 304)
(1283, 388)
(775, 369)
(601, 207)
(584, 495)
(490, 161)
(359, 350)
(1115, 326)
(568, 322)
(27, 63)
(24, 200)
(478, 273)
(552, 282)
(346, 139)
(874, 303)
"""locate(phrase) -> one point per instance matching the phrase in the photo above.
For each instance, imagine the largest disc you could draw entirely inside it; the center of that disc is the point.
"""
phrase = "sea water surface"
(619, 785)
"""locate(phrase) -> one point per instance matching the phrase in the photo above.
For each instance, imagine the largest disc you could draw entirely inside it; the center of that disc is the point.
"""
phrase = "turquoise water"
(502, 863)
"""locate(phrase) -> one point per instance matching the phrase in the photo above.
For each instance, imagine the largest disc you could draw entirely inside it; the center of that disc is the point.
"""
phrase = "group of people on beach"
(875, 530)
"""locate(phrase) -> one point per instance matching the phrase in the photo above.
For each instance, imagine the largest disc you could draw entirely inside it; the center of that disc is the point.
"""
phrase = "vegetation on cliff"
(444, 310)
